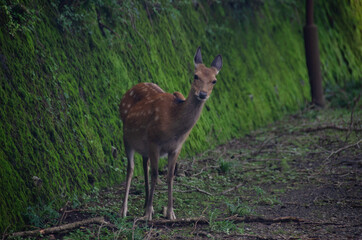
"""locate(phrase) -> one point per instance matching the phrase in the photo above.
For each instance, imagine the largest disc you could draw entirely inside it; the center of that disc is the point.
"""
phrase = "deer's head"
(204, 78)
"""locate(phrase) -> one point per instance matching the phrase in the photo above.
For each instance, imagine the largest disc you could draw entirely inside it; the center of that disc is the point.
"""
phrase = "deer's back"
(140, 92)
(148, 115)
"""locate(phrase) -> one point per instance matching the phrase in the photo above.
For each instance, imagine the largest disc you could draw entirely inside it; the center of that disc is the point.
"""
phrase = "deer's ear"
(217, 63)
(198, 57)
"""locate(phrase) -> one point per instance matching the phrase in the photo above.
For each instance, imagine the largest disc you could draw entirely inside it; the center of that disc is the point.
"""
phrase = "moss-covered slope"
(64, 67)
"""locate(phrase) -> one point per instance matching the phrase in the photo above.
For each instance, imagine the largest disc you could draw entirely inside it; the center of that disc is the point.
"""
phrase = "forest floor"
(297, 178)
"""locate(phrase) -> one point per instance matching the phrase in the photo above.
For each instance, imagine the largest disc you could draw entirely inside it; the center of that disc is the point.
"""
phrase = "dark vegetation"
(65, 65)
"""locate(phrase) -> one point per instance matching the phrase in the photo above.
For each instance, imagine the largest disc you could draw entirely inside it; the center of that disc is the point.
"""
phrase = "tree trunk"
(312, 56)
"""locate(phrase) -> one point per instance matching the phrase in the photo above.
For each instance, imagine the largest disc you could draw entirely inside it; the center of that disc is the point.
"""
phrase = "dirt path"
(299, 178)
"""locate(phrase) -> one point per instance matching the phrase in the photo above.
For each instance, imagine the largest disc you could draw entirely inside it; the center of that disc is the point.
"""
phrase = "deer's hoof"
(170, 214)
(148, 215)
(124, 212)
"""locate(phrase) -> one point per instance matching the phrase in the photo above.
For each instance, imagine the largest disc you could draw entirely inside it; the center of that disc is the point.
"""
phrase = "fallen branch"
(236, 219)
(344, 148)
(333, 127)
(65, 227)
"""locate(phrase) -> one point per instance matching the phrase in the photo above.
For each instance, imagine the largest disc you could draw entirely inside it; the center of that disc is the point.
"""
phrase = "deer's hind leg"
(154, 155)
(130, 169)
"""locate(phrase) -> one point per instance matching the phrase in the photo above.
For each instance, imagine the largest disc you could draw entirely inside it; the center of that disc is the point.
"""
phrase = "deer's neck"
(188, 113)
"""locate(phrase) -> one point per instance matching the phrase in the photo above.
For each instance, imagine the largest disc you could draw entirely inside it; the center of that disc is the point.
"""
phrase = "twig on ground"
(344, 148)
(232, 189)
(117, 233)
(222, 153)
(255, 153)
(264, 160)
(179, 191)
(99, 230)
(193, 161)
(64, 213)
(149, 234)
(4, 233)
(203, 169)
(197, 189)
(263, 145)
(134, 226)
(77, 210)
(206, 234)
(195, 226)
(61, 228)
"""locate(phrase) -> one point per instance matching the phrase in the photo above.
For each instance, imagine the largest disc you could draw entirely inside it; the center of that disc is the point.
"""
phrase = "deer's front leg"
(172, 158)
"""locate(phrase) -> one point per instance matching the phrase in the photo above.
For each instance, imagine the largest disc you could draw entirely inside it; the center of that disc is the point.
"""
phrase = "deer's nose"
(202, 95)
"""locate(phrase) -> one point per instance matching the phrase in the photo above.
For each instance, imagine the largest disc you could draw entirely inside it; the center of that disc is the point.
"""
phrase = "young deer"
(156, 123)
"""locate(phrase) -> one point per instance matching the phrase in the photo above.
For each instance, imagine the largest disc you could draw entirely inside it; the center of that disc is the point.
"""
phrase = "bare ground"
(298, 178)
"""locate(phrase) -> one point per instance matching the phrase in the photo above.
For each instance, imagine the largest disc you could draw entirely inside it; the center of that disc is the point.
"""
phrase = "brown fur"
(156, 123)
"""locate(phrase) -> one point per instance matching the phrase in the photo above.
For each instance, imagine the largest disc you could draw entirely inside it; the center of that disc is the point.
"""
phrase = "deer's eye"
(196, 77)
(213, 82)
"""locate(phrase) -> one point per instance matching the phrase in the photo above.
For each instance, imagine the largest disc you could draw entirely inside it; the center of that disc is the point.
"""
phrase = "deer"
(157, 123)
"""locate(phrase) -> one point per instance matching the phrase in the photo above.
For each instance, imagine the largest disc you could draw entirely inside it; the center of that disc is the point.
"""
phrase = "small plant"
(95, 192)
(343, 95)
(117, 170)
(241, 209)
(224, 226)
(71, 18)
(125, 228)
(41, 215)
(263, 199)
(259, 191)
(16, 17)
(76, 203)
(79, 234)
(224, 166)
(284, 164)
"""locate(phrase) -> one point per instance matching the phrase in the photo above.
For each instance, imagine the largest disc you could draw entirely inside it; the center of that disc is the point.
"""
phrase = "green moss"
(62, 81)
